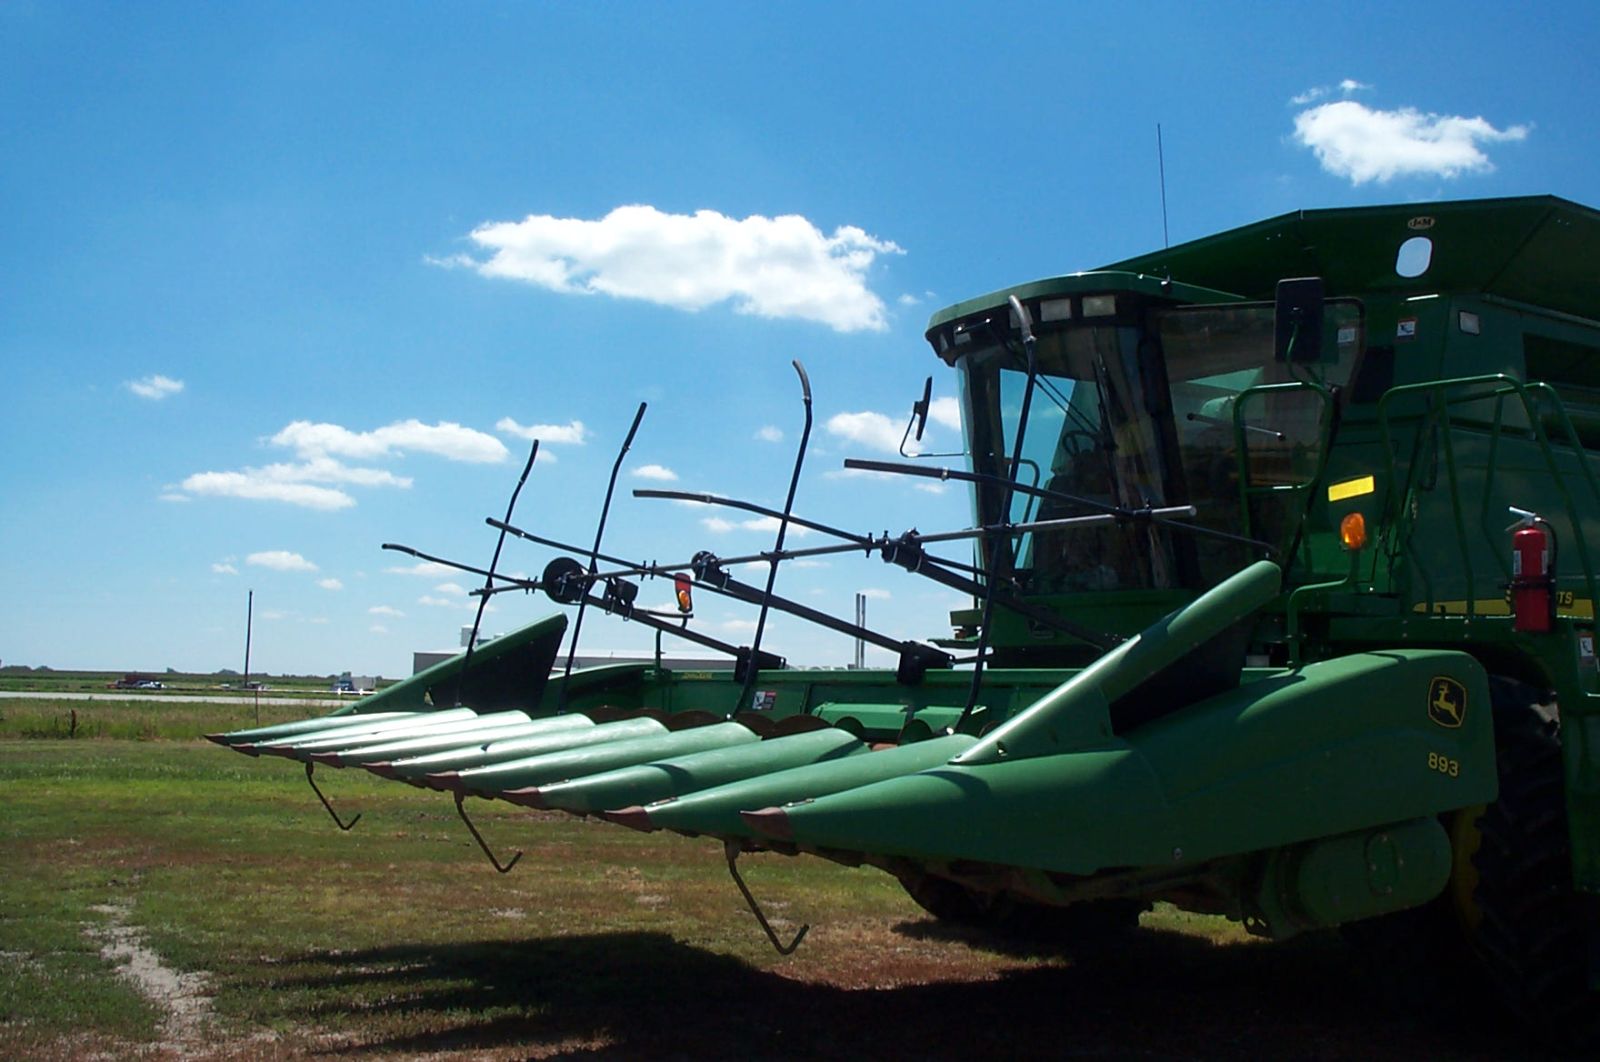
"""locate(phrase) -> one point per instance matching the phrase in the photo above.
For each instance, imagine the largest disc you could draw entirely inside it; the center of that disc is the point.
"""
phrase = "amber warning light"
(1353, 531)
(680, 585)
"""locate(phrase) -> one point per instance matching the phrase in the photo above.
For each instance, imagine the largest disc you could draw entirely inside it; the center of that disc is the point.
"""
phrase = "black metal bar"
(504, 868)
(488, 581)
(866, 542)
(346, 826)
(511, 583)
(754, 662)
(906, 551)
(594, 553)
(1120, 512)
(749, 507)
(731, 850)
(651, 620)
(711, 576)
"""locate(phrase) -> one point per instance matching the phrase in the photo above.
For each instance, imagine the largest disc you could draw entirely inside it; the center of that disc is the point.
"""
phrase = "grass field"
(167, 898)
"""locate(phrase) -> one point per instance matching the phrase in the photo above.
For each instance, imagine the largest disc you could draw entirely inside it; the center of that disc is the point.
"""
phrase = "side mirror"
(919, 409)
(1297, 320)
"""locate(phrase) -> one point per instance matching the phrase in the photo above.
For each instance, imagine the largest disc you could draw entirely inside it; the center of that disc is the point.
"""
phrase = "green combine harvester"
(1283, 608)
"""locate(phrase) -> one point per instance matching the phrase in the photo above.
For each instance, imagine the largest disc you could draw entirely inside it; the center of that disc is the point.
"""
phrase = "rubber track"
(1535, 934)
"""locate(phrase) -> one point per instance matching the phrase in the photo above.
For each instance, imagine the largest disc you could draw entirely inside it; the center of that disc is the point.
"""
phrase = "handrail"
(1498, 387)
(1242, 448)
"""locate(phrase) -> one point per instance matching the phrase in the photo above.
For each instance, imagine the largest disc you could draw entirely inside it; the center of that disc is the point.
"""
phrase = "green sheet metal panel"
(1334, 747)
(661, 779)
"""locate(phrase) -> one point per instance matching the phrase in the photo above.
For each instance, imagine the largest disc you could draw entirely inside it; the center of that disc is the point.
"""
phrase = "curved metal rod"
(488, 581)
(1117, 511)
(476, 836)
(594, 554)
(749, 507)
(511, 582)
(731, 850)
(867, 543)
(346, 826)
(783, 529)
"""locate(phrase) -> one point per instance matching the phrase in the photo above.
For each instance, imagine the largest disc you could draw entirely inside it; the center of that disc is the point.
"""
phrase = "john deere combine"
(1282, 608)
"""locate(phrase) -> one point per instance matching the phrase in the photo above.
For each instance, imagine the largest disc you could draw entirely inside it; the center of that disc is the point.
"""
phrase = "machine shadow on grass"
(647, 996)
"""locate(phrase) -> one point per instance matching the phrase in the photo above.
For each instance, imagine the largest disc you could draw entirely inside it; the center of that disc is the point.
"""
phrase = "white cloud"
(250, 484)
(780, 267)
(945, 412)
(437, 602)
(171, 496)
(319, 447)
(289, 483)
(875, 594)
(384, 610)
(909, 299)
(378, 628)
(330, 584)
(756, 523)
(656, 472)
(451, 588)
(280, 560)
(224, 568)
(445, 439)
(572, 433)
(427, 568)
(872, 430)
(327, 470)
(1353, 141)
(1346, 87)
(769, 433)
(154, 387)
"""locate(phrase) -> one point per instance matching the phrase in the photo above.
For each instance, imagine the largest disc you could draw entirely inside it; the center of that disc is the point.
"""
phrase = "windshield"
(1150, 411)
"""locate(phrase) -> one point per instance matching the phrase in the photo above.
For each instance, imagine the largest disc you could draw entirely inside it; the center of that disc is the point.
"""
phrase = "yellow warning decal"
(1568, 606)
(1447, 702)
(1351, 488)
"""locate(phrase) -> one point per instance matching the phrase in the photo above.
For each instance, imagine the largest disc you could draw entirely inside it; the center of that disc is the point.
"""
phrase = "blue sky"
(279, 283)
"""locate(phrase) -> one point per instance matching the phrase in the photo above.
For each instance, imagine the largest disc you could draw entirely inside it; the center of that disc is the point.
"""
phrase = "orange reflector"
(685, 600)
(1353, 531)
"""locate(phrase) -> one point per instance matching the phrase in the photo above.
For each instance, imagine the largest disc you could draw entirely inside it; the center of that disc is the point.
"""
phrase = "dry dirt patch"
(181, 996)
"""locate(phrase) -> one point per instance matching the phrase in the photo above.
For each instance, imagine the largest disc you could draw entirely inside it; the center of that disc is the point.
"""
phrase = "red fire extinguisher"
(1533, 599)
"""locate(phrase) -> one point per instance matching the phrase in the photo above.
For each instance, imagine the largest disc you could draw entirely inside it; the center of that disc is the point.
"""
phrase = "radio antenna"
(1161, 165)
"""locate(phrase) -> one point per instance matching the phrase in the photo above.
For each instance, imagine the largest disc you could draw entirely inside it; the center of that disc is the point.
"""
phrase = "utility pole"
(249, 617)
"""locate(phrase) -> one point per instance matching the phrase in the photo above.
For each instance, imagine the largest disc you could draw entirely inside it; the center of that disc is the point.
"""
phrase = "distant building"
(423, 659)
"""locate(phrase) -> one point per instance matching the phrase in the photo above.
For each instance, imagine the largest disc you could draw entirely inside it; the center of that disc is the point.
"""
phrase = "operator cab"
(1149, 393)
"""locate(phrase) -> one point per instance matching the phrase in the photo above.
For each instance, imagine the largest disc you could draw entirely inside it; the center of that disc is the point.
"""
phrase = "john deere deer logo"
(1447, 702)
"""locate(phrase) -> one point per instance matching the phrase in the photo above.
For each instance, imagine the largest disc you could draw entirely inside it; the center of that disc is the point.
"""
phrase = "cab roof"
(1538, 250)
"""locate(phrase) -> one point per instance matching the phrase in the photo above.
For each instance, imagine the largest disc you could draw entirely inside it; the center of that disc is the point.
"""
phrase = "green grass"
(131, 719)
(397, 937)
